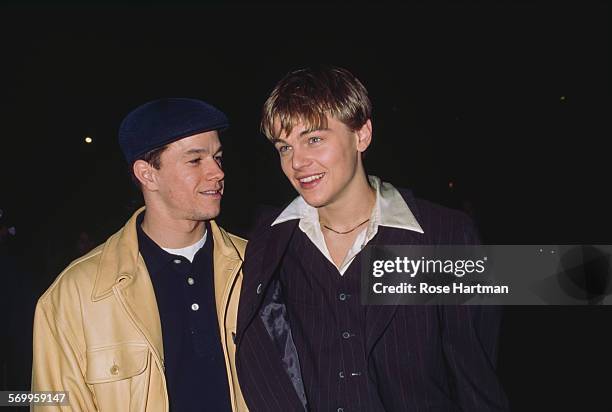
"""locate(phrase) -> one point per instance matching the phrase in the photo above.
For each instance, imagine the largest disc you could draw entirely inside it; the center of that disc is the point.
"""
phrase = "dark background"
(509, 101)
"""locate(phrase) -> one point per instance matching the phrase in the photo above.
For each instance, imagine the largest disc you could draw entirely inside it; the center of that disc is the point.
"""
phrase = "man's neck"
(352, 207)
(172, 233)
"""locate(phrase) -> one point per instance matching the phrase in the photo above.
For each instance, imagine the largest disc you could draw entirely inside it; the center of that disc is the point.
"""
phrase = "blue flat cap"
(163, 121)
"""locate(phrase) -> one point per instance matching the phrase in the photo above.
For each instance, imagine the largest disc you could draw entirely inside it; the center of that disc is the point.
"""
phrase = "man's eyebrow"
(319, 129)
(201, 150)
(302, 133)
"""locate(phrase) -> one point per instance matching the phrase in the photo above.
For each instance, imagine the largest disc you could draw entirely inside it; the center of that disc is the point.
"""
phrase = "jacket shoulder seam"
(71, 266)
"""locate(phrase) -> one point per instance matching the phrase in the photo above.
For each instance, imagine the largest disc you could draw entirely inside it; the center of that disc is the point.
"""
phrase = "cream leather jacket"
(97, 332)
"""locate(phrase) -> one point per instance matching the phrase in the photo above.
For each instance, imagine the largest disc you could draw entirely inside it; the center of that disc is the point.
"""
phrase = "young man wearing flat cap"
(304, 341)
(145, 321)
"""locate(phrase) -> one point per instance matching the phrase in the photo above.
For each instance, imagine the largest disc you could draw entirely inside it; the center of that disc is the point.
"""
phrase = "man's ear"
(364, 136)
(145, 173)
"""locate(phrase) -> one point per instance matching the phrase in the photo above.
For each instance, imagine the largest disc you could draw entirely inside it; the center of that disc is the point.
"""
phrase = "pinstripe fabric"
(328, 325)
(419, 358)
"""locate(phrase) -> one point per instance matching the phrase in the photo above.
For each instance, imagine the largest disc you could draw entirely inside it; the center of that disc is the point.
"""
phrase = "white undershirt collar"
(188, 252)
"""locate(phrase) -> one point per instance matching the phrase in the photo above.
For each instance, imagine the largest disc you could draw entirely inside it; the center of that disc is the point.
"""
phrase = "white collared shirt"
(389, 210)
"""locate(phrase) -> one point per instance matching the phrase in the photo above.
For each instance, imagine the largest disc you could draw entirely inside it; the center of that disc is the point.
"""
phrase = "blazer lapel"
(378, 317)
(259, 268)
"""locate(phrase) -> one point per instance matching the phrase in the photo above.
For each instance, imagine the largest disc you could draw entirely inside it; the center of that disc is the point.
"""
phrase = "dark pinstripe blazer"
(420, 358)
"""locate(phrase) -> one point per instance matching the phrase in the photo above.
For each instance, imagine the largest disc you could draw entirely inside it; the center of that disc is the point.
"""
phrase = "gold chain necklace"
(348, 231)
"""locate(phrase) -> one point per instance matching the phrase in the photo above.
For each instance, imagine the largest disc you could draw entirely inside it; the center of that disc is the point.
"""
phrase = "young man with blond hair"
(304, 341)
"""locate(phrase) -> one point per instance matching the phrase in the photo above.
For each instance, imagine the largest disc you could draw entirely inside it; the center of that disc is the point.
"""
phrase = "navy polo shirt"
(195, 369)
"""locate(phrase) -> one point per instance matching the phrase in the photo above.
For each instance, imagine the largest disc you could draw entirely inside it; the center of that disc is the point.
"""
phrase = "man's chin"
(314, 201)
(318, 196)
(206, 215)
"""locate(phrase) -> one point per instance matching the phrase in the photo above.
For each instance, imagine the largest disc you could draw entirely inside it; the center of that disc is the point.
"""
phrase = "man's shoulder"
(423, 207)
(437, 211)
(238, 242)
(437, 220)
(229, 242)
(77, 278)
(265, 215)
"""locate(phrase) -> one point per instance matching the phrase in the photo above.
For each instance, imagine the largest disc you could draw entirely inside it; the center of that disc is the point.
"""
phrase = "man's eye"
(283, 149)
(195, 161)
(314, 139)
(218, 159)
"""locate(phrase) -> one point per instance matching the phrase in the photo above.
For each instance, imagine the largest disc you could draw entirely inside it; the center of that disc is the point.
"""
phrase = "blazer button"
(259, 288)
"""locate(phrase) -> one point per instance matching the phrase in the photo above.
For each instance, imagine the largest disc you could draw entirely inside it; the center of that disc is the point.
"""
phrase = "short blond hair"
(309, 95)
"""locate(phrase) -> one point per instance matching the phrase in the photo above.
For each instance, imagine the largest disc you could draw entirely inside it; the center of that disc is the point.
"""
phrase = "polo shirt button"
(114, 370)
(177, 261)
(259, 288)
(195, 307)
(340, 410)
(190, 281)
(341, 374)
(346, 335)
(342, 296)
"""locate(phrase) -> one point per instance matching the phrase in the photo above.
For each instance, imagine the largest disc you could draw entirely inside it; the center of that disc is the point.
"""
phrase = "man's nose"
(299, 159)
(215, 171)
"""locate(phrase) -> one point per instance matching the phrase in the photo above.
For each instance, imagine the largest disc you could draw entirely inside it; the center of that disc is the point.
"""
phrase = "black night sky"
(509, 101)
